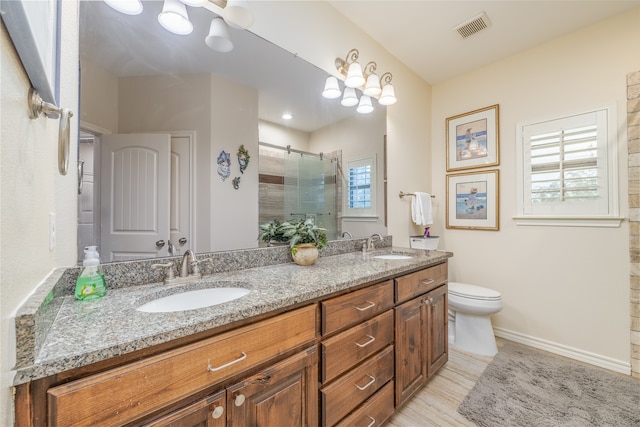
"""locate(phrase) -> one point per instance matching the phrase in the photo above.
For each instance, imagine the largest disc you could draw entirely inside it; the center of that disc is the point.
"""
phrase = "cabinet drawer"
(341, 352)
(420, 282)
(356, 386)
(134, 390)
(374, 412)
(352, 308)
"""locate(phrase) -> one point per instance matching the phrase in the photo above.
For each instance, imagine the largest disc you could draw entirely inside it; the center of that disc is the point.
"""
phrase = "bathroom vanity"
(344, 342)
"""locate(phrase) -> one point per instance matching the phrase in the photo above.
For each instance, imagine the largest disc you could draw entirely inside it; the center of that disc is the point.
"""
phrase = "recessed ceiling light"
(287, 116)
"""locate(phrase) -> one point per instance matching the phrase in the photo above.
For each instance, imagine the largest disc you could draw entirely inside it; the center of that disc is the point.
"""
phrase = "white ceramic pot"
(304, 253)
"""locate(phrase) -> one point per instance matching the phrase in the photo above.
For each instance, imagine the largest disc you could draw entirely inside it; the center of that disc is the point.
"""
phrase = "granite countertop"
(85, 332)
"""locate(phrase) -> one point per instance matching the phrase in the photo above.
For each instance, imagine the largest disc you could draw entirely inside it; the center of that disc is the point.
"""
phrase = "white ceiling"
(420, 32)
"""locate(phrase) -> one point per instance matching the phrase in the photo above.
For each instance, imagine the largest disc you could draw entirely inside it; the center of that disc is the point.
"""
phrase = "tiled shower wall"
(633, 143)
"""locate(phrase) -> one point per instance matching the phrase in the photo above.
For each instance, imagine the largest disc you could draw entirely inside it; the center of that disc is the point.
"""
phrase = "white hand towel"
(421, 211)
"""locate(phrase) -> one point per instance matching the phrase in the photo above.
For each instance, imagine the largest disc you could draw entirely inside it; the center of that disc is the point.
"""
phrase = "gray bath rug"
(526, 387)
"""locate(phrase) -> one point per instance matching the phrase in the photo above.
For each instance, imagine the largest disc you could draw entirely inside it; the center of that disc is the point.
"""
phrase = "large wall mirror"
(163, 118)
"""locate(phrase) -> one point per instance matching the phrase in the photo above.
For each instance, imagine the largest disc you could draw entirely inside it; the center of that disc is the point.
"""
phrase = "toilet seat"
(464, 290)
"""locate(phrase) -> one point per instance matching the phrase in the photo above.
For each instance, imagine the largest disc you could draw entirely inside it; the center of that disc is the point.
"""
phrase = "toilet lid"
(464, 290)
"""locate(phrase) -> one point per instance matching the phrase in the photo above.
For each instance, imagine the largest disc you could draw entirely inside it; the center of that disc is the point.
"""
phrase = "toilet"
(470, 308)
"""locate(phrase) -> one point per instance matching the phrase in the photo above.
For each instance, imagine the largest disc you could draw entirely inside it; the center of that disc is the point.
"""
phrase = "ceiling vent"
(473, 25)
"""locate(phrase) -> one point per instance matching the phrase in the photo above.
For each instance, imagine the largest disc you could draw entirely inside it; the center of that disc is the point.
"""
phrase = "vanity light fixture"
(218, 38)
(129, 7)
(366, 80)
(174, 17)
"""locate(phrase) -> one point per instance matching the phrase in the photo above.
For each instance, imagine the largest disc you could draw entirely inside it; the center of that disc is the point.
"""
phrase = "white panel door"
(135, 196)
(180, 218)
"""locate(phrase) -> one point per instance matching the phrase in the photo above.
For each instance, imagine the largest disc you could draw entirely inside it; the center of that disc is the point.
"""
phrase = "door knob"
(160, 243)
(182, 241)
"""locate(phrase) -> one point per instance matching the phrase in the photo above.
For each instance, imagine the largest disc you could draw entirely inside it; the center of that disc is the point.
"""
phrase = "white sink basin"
(191, 300)
(393, 256)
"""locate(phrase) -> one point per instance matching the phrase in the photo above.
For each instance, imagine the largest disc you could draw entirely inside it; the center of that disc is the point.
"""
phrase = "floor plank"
(437, 403)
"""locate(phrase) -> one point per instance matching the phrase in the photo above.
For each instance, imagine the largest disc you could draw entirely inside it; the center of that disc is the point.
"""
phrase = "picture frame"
(34, 28)
(473, 200)
(473, 139)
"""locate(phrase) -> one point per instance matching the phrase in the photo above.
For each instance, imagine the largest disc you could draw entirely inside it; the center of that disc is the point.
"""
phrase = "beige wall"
(275, 134)
(31, 188)
(99, 94)
(565, 287)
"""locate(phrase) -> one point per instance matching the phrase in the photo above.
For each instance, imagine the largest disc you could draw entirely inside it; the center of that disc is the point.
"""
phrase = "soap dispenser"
(91, 283)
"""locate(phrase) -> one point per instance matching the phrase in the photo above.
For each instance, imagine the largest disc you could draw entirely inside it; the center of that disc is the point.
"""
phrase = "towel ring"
(37, 106)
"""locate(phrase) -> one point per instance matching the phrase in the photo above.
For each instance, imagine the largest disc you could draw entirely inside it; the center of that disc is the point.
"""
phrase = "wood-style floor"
(437, 403)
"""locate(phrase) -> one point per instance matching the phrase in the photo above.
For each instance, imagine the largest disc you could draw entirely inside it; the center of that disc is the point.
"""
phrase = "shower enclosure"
(299, 185)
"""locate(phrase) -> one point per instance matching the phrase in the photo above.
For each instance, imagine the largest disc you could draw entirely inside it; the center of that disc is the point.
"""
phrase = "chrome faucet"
(189, 259)
(347, 234)
(367, 245)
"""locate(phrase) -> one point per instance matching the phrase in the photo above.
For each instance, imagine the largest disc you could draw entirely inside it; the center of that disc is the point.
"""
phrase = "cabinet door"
(438, 337)
(411, 348)
(208, 412)
(285, 394)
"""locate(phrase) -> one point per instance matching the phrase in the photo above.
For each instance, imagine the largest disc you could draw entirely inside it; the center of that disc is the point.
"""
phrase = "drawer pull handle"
(371, 339)
(226, 365)
(373, 421)
(371, 305)
(373, 380)
(427, 282)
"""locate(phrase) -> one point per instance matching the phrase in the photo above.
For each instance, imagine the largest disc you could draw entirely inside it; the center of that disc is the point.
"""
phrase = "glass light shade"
(372, 87)
(331, 88)
(194, 3)
(174, 17)
(354, 76)
(349, 99)
(388, 96)
(218, 38)
(364, 107)
(238, 15)
(130, 7)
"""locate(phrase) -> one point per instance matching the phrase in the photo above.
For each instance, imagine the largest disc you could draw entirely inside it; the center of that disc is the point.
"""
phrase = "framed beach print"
(473, 139)
(473, 200)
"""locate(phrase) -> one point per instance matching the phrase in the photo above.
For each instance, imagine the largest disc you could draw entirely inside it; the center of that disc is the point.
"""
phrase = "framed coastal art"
(473, 139)
(473, 200)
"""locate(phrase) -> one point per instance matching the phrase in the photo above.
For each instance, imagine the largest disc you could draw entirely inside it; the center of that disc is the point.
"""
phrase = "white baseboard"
(563, 350)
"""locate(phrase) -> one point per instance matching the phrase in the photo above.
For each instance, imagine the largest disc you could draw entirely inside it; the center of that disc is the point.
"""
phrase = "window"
(568, 170)
(361, 191)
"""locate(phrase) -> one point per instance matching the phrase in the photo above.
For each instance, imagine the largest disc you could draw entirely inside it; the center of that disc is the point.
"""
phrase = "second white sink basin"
(193, 299)
(393, 256)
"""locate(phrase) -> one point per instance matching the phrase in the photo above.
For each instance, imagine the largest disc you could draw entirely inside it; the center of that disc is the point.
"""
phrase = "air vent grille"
(473, 25)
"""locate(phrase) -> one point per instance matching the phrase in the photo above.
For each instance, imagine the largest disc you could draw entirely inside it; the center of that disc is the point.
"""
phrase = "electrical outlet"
(52, 231)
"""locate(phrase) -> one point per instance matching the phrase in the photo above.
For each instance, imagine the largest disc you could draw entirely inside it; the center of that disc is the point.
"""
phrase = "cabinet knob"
(217, 412)
(239, 400)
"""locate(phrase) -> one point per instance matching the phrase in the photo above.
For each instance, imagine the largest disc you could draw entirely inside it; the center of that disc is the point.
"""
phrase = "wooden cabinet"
(374, 412)
(208, 412)
(421, 338)
(141, 388)
(285, 394)
(357, 362)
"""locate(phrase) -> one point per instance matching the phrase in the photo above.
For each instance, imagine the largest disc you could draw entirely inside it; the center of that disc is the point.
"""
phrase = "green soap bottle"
(91, 283)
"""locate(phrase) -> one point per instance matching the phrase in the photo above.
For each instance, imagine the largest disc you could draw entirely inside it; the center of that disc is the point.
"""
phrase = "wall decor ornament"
(236, 182)
(473, 200)
(243, 158)
(473, 139)
(224, 165)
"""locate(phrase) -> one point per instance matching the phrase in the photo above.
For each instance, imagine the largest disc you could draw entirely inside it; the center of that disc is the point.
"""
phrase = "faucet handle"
(195, 269)
(169, 273)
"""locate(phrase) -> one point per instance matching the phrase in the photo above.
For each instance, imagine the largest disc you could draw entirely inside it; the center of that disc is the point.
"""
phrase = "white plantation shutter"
(567, 168)
(360, 197)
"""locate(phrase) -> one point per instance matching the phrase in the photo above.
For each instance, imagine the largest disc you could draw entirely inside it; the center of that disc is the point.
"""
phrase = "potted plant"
(306, 240)
(272, 233)
(303, 236)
